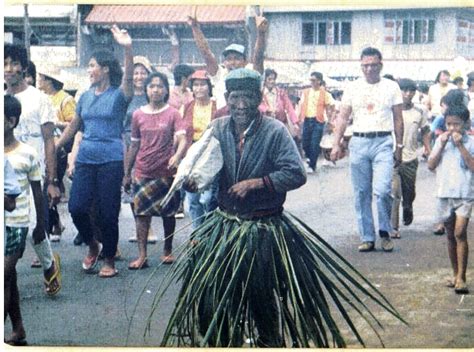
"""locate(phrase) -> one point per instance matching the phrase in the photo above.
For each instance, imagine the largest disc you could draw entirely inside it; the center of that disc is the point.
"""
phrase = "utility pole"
(27, 30)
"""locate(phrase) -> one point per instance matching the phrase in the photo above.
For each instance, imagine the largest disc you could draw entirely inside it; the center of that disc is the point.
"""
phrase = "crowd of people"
(123, 139)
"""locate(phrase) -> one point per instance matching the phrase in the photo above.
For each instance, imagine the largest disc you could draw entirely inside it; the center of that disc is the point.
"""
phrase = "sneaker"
(308, 169)
(179, 215)
(366, 247)
(387, 244)
(133, 238)
(407, 216)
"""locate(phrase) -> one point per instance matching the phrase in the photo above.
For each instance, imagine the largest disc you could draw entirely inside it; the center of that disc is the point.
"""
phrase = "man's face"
(407, 95)
(371, 68)
(315, 82)
(234, 60)
(270, 82)
(12, 71)
(243, 105)
(454, 124)
(444, 78)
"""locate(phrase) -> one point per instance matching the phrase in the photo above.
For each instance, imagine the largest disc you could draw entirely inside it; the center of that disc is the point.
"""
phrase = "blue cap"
(240, 49)
(242, 78)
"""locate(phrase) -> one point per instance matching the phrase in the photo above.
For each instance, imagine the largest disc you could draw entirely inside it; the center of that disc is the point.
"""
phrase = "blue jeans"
(202, 203)
(312, 135)
(100, 183)
(371, 162)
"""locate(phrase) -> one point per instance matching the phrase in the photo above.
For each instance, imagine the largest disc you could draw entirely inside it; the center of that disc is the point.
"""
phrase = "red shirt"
(155, 132)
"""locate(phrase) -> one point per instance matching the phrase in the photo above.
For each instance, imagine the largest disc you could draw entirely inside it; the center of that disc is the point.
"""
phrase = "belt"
(372, 134)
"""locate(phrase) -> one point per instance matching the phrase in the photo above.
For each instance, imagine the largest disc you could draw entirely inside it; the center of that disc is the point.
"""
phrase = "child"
(25, 163)
(404, 176)
(452, 155)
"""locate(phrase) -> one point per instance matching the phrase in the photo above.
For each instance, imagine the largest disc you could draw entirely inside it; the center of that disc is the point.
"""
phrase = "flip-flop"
(107, 272)
(395, 234)
(167, 259)
(53, 285)
(461, 289)
(450, 282)
(143, 265)
(90, 262)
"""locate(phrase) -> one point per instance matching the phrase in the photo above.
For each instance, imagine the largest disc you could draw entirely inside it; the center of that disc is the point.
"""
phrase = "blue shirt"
(438, 124)
(102, 116)
(453, 177)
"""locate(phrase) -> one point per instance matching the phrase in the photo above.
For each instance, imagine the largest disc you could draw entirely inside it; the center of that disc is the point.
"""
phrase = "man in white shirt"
(376, 105)
(35, 128)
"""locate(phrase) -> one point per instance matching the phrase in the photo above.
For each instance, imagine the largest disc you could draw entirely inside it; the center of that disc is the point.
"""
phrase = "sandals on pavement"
(461, 288)
(167, 259)
(138, 264)
(395, 234)
(53, 284)
(90, 261)
(107, 272)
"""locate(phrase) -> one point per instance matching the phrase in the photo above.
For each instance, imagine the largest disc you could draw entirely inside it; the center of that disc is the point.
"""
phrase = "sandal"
(395, 234)
(450, 282)
(107, 272)
(461, 288)
(90, 261)
(53, 284)
(167, 259)
(138, 264)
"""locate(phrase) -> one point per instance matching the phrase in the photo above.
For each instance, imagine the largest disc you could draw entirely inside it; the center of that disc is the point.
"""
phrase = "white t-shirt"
(218, 85)
(413, 119)
(36, 110)
(24, 161)
(372, 104)
(435, 94)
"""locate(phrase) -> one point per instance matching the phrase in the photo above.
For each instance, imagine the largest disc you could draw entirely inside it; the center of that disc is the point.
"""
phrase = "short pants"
(448, 207)
(15, 240)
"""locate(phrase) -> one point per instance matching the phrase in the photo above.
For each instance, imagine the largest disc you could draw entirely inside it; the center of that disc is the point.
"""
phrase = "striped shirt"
(24, 160)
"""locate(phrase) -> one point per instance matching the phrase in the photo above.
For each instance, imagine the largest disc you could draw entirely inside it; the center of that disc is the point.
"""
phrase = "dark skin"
(9, 203)
(243, 106)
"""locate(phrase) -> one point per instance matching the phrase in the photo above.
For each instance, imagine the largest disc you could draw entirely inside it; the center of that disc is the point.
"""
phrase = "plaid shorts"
(15, 240)
(149, 192)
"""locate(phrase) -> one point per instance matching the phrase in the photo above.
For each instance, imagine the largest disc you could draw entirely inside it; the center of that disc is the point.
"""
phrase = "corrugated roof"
(164, 14)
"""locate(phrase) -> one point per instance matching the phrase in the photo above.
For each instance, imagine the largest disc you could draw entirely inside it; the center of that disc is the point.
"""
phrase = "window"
(409, 30)
(323, 32)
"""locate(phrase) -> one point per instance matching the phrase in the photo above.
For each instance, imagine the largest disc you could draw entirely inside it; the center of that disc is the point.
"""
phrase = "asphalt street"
(90, 311)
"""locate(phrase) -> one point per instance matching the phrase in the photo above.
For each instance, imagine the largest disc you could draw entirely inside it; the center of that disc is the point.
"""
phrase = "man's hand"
(337, 152)
(121, 36)
(38, 234)
(397, 157)
(173, 162)
(457, 138)
(54, 195)
(190, 186)
(261, 23)
(241, 189)
(444, 137)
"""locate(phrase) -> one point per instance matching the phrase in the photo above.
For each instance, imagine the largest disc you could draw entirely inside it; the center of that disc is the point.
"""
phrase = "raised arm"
(203, 45)
(122, 37)
(260, 42)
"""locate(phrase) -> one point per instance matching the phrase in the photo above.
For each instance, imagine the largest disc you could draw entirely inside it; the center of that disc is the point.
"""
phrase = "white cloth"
(372, 104)
(435, 94)
(36, 110)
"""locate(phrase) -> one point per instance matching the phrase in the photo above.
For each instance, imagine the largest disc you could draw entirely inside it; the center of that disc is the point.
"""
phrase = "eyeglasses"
(366, 66)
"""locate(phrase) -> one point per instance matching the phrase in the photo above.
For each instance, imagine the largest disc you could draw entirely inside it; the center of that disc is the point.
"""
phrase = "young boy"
(24, 161)
(452, 155)
(404, 176)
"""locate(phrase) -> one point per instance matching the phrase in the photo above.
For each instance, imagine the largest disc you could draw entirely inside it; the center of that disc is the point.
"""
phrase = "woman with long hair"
(99, 166)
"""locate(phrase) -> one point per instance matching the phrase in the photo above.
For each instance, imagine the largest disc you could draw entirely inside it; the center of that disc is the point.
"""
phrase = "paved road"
(91, 311)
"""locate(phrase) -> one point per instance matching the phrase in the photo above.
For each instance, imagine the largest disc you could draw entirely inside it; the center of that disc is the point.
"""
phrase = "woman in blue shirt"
(99, 165)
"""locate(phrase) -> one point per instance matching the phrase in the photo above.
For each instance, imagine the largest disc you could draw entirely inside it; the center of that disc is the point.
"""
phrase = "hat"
(142, 60)
(240, 49)
(242, 79)
(50, 71)
(201, 74)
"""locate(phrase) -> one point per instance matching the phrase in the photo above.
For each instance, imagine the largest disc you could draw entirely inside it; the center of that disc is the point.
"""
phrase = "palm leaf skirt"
(271, 281)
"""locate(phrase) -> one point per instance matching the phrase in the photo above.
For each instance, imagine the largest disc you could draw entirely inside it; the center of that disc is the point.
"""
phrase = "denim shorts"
(448, 207)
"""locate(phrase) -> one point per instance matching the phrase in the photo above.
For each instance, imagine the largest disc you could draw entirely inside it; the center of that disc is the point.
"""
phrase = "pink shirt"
(178, 99)
(155, 131)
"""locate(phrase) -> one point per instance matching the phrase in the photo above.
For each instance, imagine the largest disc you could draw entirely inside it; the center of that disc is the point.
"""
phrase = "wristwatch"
(54, 182)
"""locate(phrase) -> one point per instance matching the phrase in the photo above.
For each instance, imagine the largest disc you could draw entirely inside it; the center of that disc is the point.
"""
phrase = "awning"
(164, 14)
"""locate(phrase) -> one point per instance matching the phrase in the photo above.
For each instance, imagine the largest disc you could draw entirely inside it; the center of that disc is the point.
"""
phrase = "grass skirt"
(271, 280)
